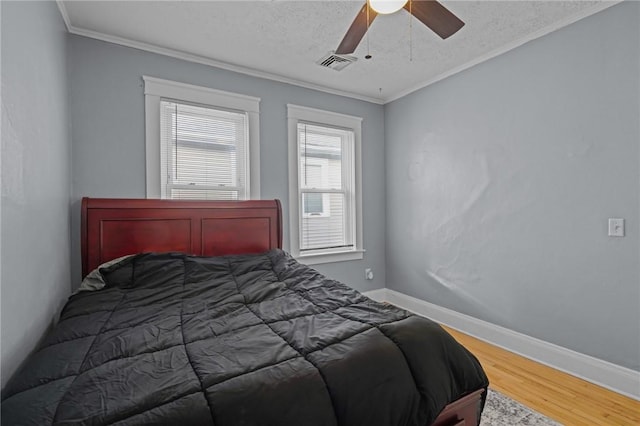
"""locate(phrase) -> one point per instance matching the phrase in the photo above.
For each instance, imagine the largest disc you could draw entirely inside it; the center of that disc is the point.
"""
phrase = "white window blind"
(204, 152)
(326, 187)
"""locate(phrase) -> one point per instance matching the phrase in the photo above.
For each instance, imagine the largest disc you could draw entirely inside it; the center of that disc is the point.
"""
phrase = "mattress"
(236, 340)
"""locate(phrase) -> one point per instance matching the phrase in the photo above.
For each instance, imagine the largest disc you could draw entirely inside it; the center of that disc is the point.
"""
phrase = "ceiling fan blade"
(356, 31)
(435, 16)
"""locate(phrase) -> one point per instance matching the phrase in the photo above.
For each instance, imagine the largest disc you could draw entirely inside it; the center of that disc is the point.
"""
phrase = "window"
(324, 185)
(315, 175)
(200, 143)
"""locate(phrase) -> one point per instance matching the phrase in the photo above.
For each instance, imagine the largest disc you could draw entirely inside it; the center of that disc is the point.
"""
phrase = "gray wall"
(35, 176)
(107, 110)
(500, 181)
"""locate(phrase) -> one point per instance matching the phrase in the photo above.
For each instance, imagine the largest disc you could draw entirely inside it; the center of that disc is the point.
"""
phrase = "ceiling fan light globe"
(386, 7)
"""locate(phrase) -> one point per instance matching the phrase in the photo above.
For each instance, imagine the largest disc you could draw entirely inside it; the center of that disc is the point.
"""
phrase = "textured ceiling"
(285, 38)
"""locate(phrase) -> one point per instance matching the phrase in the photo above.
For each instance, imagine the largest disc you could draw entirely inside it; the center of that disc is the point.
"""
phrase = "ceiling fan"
(431, 13)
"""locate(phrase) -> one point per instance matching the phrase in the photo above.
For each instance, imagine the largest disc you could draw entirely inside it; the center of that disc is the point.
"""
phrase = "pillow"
(94, 280)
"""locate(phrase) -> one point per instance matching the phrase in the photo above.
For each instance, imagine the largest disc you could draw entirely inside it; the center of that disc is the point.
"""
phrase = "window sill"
(330, 257)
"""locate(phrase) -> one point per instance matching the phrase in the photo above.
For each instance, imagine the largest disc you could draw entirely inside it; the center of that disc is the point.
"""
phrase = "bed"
(205, 320)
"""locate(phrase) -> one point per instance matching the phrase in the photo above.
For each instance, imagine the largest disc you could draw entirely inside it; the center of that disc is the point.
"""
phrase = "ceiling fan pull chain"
(410, 31)
(368, 56)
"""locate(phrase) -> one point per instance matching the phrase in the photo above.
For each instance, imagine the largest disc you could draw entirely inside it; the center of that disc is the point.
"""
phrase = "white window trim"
(155, 89)
(297, 113)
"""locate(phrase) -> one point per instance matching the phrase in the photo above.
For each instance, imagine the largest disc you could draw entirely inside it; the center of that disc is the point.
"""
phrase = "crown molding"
(598, 7)
(507, 47)
(189, 57)
(65, 15)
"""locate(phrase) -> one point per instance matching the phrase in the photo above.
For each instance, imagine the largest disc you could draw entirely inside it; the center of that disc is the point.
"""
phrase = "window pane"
(320, 161)
(314, 175)
(203, 146)
(205, 164)
(324, 231)
(323, 163)
(312, 204)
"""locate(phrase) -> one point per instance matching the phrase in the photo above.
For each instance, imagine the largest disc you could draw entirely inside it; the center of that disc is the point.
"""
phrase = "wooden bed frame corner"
(462, 412)
(112, 228)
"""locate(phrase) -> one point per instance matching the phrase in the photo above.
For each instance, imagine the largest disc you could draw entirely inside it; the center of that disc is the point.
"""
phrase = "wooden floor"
(564, 398)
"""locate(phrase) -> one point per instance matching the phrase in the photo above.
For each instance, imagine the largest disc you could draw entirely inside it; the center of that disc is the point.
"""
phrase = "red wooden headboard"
(116, 227)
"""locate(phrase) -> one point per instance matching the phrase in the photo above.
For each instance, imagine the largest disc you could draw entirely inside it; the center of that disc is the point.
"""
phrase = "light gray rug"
(500, 410)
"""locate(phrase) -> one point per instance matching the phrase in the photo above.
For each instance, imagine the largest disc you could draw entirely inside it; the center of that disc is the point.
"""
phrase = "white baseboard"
(611, 376)
(379, 295)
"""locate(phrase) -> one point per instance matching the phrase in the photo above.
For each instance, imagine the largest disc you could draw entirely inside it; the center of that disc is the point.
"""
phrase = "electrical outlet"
(368, 274)
(616, 227)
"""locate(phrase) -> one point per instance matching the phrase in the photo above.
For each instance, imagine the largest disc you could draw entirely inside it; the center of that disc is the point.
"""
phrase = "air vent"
(336, 62)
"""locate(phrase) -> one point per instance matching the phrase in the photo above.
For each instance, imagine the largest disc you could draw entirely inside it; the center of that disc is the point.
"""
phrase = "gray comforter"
(236, 340)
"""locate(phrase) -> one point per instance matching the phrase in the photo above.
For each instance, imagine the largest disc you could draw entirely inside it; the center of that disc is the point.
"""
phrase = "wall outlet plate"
(616, 227)
(368, 274)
